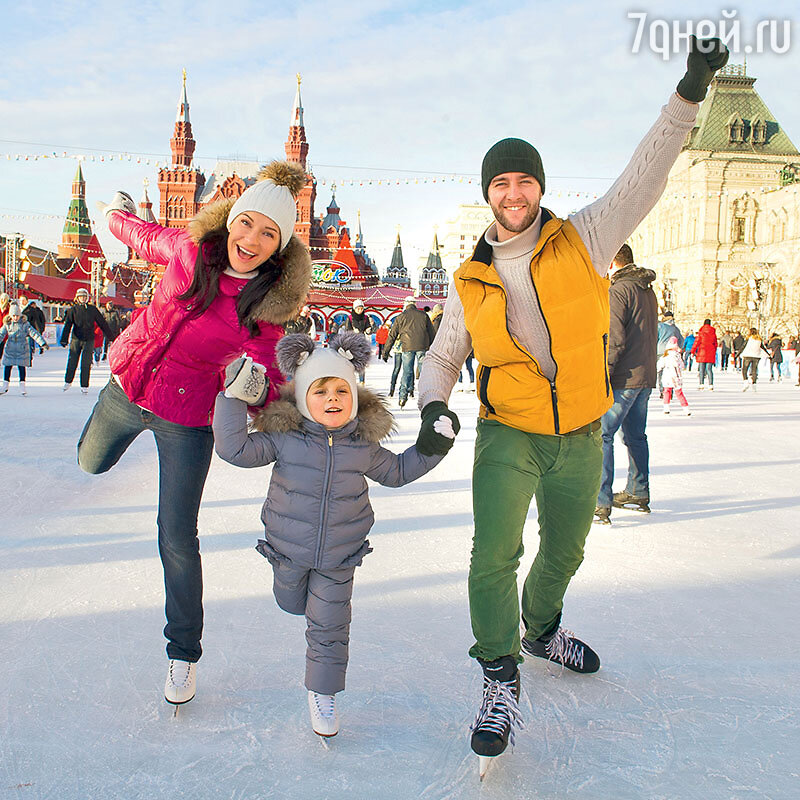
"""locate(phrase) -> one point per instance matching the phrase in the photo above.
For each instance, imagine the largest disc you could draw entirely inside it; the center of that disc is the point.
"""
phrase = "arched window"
(735, 129)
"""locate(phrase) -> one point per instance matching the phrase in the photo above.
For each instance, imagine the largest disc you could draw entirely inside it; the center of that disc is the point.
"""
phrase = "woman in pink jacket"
(230, 283)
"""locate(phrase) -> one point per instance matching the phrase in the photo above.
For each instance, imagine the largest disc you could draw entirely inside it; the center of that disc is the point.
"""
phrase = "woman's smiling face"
(252, 239)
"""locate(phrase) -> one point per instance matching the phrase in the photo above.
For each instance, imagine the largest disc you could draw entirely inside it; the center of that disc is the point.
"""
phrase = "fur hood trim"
(287, 296)
(374, 421)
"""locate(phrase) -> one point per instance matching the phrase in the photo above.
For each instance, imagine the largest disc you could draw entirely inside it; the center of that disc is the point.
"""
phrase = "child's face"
(330, 402)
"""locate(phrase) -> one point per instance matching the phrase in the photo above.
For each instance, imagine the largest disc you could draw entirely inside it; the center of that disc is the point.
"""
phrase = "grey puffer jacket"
(17, 352)
(317, 513)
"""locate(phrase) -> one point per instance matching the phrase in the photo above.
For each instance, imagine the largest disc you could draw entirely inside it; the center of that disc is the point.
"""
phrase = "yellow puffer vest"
(574, 303)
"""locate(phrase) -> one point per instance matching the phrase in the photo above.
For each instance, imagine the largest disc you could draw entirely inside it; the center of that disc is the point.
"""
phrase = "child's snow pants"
(324, 597)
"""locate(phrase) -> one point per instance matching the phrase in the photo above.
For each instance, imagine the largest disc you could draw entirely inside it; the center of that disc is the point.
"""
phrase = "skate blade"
(484, 762)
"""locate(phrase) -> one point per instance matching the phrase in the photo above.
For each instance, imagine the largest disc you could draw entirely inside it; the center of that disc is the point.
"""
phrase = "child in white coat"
(672, 377)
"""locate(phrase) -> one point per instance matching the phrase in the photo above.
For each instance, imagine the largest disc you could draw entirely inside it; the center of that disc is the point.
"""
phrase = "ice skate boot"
(22, 390)
(499, 714)
(666, 409)
(602, 515)
(181, 683)
(324, 716)
(563, 648)
(627, 500)
(4, 387)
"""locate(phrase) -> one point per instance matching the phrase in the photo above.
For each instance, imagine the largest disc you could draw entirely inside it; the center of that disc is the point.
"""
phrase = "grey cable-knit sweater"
(603, 227)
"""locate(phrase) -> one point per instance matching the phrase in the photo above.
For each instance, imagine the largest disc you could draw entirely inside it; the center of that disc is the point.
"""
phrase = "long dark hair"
(211, 262)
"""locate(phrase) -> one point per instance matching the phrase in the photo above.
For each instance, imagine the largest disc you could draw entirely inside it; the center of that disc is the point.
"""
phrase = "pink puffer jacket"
(173, 363)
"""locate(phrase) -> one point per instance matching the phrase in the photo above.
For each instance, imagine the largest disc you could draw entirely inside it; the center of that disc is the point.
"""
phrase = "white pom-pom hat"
(273, 195)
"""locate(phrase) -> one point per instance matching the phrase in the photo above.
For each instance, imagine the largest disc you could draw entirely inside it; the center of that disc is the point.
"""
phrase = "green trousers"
(512, 466)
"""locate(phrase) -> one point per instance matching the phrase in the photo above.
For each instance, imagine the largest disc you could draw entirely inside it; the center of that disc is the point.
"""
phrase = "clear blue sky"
(410, 89)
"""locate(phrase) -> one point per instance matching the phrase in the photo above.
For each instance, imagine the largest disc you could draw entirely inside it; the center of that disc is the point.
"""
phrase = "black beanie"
(511, 155)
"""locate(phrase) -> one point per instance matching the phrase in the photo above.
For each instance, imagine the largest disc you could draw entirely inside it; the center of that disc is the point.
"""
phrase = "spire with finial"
(296, 146)
(145, 206)
(182, 144)
(183, 104)
(359, 235)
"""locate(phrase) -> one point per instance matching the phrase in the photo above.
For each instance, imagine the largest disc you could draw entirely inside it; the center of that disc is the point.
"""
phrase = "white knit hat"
(299, 357)
(273, 194)
(13, 310)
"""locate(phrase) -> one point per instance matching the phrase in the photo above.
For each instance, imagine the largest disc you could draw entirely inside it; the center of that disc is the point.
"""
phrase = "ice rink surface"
(693, 610)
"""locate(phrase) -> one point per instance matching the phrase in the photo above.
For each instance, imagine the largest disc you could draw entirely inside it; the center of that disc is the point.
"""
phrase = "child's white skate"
(324, 717)
(181, 683)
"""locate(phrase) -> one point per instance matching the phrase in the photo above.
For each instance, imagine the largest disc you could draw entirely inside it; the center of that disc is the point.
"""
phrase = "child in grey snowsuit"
(15, 332)
(323, 436)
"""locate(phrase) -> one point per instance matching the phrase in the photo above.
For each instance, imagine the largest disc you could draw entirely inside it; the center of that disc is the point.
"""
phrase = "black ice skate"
(563, 648)
(499, 713)
(627, 500)
(602, 515)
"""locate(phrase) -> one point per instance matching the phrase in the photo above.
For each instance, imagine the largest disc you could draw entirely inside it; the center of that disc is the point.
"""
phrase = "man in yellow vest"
(533, 303)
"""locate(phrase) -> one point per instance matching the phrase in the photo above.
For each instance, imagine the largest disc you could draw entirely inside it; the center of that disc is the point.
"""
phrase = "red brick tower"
(296, 148)
(180, 185)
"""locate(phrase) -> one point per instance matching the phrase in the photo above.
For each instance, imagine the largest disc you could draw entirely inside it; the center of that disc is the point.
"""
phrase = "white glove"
(246, 380)
(121, 201)
(444, 427)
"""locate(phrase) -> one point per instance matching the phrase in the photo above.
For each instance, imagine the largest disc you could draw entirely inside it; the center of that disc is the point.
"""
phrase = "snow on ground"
(693, 610)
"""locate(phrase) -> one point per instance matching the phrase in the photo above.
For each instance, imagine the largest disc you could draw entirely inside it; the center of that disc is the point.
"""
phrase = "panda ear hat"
(298, 357)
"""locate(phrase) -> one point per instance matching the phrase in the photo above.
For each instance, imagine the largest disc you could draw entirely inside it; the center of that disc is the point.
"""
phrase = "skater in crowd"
(302, 323)
(704, 350)
(667, 329)
(470, 374)
(688, 356)
(15, 333)
(5, 303)
(116, 324)
(413, 328)
(752, 353)
(775, 348)
(80, 323)
(670, 367)
(324, 439)
(37, 321)
(397, 365)
(533, 302)
(381, 335)
(232, 280)
(632, 340)
(739, 341)
(99, 338)
(725, 348)
(360, 322)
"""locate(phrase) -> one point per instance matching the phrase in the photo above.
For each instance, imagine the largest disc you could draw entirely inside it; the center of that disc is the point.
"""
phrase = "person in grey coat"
(323, 437)
(17, 353)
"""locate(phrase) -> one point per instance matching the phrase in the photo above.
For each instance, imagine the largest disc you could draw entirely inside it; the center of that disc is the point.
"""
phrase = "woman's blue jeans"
(184, 456)
(705, 370)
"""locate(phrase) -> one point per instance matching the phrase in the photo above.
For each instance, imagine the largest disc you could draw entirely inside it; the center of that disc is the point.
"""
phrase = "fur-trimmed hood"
(286, 297)
(374, 421)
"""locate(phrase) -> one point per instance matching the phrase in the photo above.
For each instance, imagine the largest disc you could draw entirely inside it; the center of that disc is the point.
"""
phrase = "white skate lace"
(325, 704)
(180, 673)
(564, 648)
(498, 710)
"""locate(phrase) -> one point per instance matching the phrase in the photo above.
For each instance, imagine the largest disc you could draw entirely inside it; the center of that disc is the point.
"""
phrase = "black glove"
(429, 442)
(246, 380)
(706, 56)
